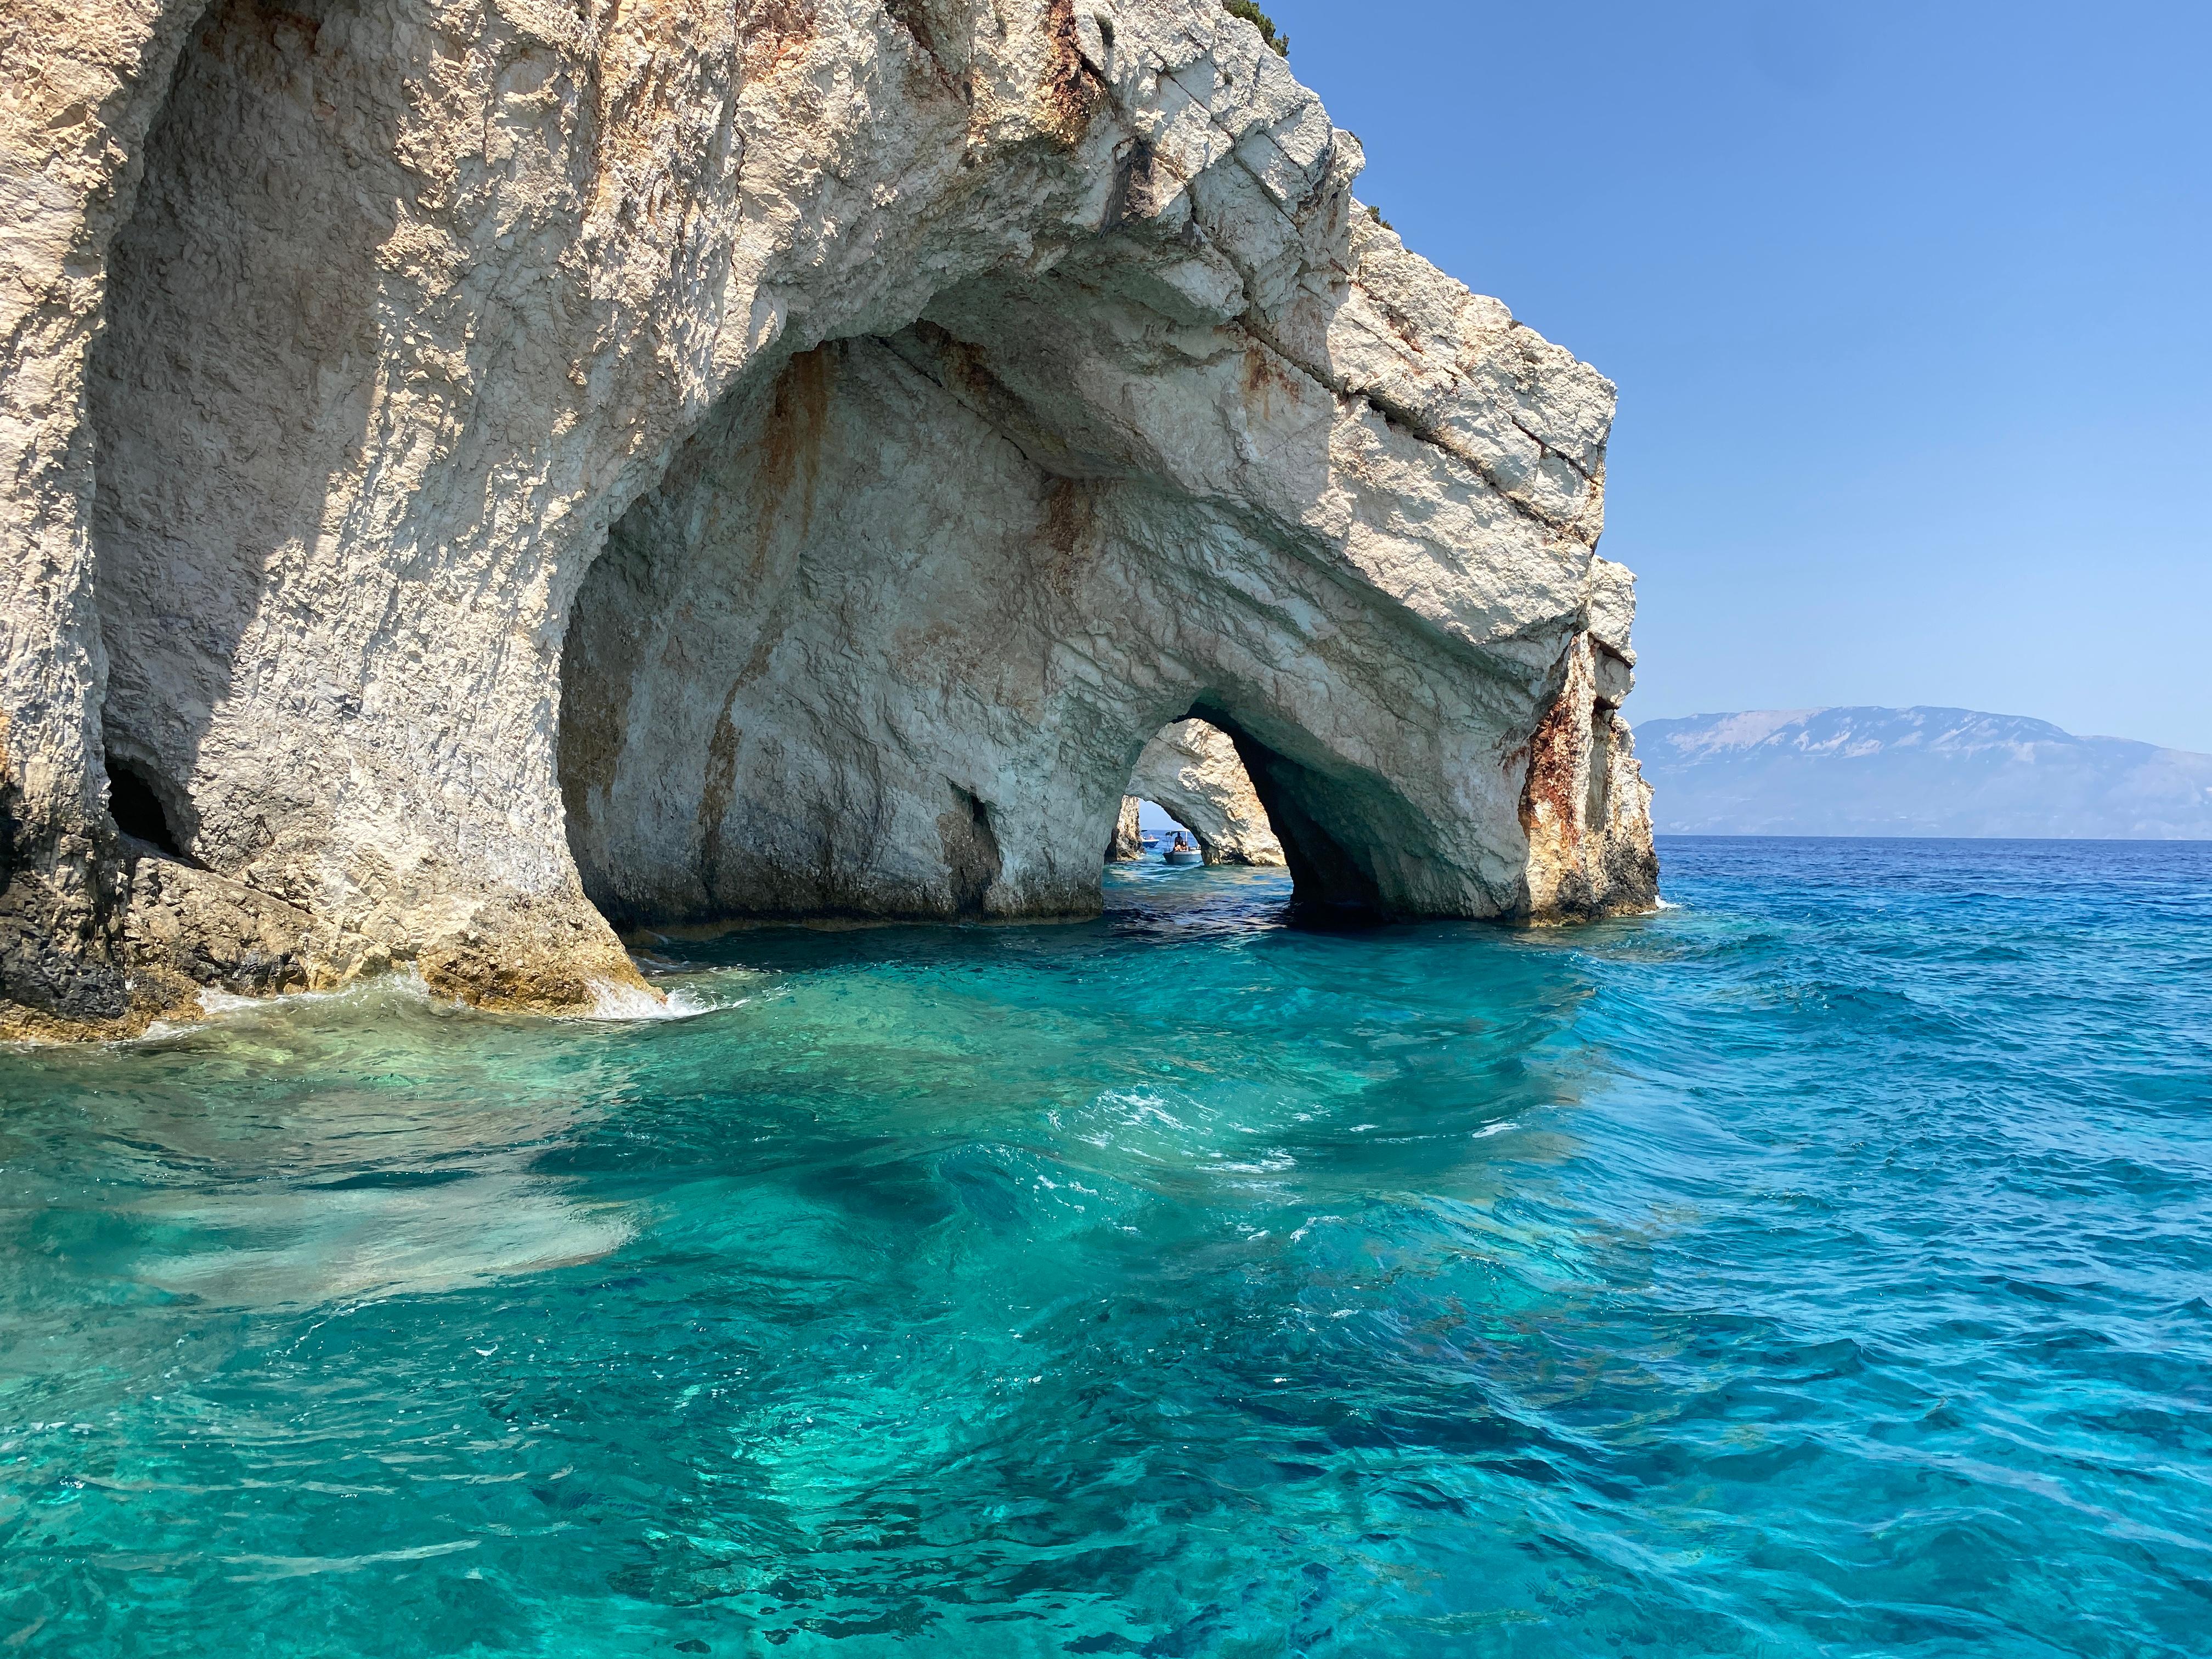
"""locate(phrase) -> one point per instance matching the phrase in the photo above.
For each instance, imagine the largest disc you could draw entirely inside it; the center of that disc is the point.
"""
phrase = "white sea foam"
(405, 982)
(214, 1004)
(222, 1006)
(620, 1003)
(611, 1003)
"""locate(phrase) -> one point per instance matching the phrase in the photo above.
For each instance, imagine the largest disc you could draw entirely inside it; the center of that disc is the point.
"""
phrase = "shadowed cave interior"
(228, 392)
(860, 655)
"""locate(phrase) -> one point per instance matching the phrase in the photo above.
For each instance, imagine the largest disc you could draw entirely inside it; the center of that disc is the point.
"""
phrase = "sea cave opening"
(1190, 782)
(1332, 828)
(857, 655)
(138, 810)
(1243, 801)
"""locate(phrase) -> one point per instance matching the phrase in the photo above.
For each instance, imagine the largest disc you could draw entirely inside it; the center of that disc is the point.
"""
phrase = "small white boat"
(1179, 851)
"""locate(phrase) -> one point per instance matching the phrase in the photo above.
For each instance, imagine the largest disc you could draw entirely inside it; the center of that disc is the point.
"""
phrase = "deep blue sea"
(1820, 1266)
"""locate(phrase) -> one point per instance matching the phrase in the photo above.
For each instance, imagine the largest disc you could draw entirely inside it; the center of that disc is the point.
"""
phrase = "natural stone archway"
(1192, 771)
(916, 589)
(430, 325)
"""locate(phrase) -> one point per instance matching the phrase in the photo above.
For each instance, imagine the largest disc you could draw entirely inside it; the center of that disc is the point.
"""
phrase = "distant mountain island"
(1916, 772)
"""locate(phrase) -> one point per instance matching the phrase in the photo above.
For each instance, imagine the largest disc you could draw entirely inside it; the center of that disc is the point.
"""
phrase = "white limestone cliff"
(484, 471)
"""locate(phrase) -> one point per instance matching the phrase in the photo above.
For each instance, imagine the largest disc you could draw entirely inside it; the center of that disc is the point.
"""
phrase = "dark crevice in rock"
(138, 810)
(971, 851)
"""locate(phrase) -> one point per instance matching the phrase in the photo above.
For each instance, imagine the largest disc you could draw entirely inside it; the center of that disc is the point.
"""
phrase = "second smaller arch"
(1190, 770)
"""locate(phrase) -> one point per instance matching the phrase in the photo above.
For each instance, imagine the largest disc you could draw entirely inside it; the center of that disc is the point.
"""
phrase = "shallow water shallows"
(1821, 1266)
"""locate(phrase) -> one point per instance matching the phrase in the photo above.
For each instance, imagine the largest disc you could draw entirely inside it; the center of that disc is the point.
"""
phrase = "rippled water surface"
(1823, 1265)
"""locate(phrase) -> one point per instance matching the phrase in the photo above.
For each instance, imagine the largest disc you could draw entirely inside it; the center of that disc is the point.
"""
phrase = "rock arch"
(1192, 771)
(578, 308)
(930, 567)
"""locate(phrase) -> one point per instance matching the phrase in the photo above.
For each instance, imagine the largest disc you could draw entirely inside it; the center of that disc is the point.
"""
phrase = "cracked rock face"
(492, 468)
(1192, 770)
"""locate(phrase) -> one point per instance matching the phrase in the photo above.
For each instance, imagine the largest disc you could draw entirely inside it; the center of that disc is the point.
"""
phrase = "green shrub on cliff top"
(1259, 19)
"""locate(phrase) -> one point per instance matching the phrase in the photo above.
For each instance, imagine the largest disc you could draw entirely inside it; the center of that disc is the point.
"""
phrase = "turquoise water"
(1821, 1266)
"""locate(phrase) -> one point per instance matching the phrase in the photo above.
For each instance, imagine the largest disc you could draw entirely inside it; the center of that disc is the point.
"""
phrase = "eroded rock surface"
(494, 468)
(1192, 770)
(1128, 842)
(218, 934)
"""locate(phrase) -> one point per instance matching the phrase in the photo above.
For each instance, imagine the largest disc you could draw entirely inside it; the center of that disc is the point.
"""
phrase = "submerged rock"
(489, 473)
(1192, 769)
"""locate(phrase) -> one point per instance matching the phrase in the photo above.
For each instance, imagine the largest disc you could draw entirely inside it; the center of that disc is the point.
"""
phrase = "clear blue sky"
(1910, 308)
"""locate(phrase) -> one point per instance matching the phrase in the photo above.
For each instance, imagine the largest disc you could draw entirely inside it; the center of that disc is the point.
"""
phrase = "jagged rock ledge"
(479, 473)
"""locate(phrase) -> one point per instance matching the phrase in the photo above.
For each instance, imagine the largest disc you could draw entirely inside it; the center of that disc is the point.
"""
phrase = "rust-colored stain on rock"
(1072, 91)
(772, 33)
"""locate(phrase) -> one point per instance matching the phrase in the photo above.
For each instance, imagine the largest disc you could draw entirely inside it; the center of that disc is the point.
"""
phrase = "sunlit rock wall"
(1128, 842)
(911, 409)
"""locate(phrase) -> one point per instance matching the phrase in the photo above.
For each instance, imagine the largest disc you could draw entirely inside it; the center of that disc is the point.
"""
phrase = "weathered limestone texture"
(1192, 769)
(492, 468)
(1128, 842)
(214, 933)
